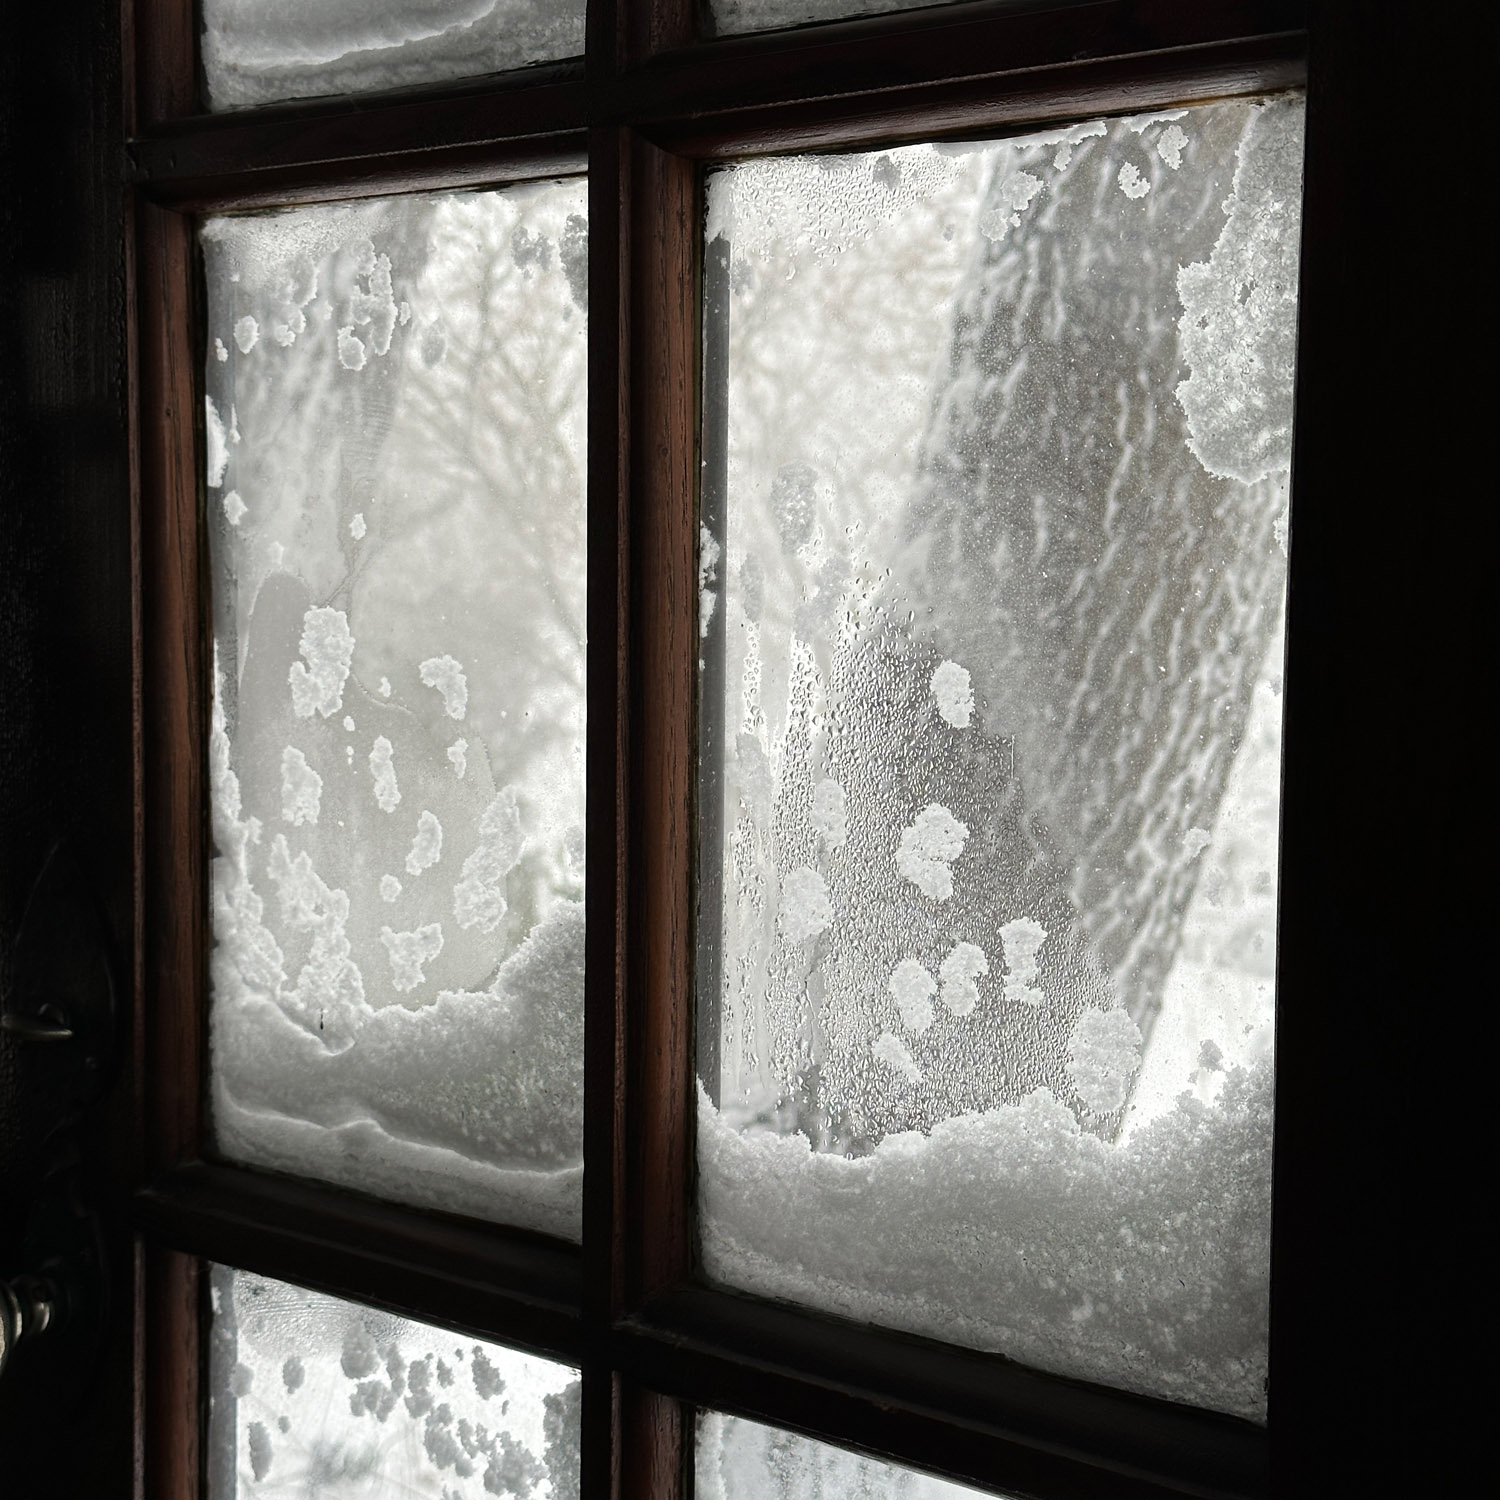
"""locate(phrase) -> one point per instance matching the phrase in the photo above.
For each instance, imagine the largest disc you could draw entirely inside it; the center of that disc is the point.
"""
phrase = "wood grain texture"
(161, 43)
(171, 704)
(169, 1329)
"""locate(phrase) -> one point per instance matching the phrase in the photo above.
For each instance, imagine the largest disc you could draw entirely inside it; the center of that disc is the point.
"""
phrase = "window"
(651, 107)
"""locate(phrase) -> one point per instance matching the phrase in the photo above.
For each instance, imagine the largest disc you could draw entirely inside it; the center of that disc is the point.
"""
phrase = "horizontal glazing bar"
(884, 78)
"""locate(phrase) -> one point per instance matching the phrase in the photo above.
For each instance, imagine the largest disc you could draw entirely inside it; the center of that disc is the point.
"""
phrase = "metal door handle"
(27, 1307)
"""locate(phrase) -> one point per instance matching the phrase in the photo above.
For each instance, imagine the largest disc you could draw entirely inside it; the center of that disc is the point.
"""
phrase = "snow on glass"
(732, 16)
(257, 51)
(736, 1459)
(398, 714)
(1000, 637)
(313, 1397)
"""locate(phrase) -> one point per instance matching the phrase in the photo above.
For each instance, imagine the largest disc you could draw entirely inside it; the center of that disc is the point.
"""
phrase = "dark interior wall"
(65, 678)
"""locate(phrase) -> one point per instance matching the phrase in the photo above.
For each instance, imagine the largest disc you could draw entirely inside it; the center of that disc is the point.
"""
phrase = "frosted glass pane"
(311, 1396)
(730, 17)
(395, 440)
(741, 1460)
(993, 573)
(257, 51)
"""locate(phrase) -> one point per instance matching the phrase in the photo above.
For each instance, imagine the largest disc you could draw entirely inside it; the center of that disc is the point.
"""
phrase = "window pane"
(993, 570)
(395, 442)
(257, 51)
(741, 1460)
(313, 1396)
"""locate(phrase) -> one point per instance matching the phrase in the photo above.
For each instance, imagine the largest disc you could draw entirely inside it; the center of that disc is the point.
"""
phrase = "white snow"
(1104, 1052)
(896, 1055)
(352, 352)
(301, 788)
(327, 649)
(954, 694)
(426, 844)
(928, 848)
(1132, 184)
(409, 951)
(913, 987)
(447, 676)
(478, 898)
(383, 769)
(1020, 941)
(246, 332)
(357, 527)
(216, 456)
(220, 352)
(458, 756)
(708, 561)
(960, 973)
(1195, 841)
(235, 509)
(1169, 147)
(992, 1229)
(390, 887)
(806, 909)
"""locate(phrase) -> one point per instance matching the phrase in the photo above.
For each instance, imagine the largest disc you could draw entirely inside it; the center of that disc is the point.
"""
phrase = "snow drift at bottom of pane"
(457, 1105)
(255, 53)
(1143, 1265)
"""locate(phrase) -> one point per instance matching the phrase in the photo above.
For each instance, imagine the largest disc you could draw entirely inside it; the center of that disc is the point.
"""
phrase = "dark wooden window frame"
(649, 109)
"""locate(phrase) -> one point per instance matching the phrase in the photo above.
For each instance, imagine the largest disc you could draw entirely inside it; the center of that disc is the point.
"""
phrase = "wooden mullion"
(484, 1279)
(160, 39)
(705, 124)
(976, 1417)
(643, 372)
(170, 1398)
(171, 697)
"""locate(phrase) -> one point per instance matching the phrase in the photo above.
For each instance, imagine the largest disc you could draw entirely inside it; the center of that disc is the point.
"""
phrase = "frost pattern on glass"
(736, 1459)
(1003, 576)
(257, 51)
(314, 1397)
(398, 969)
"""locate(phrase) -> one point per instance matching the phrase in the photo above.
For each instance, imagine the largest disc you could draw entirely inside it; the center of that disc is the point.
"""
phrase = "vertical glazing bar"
(171, 699)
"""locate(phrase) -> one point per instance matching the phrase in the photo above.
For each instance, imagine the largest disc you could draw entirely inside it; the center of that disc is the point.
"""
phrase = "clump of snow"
(1014, 193)
(1166, 1238)
(390, 887)
(1021, 940)
(349, 724)
(1104, 1052)
(458, 756)
(409, 951)
(912, 988)
(327, 649)
(246, 332)
(960, 973)
(1132, 184)
(352, 353)
(478, 898)
(1169, 147)
(235, 509)
(301, 788)
(708, 562)
(216, 457)
(928, 848)
(806, 909)
(426, 844)
(830, 813)
(954, 694)
(384, 689)
(447, 676)
(1238, 331)
(357, 527)
(220, 352)
(896, 1055)
(383, 769)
